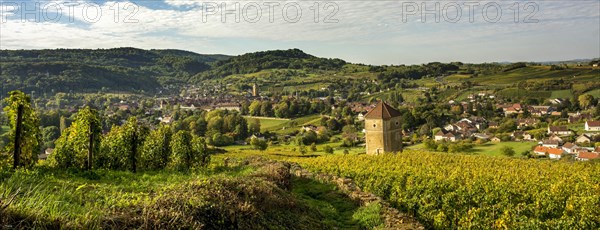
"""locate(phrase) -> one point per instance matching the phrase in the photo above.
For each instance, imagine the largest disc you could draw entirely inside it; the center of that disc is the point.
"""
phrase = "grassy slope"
(595, 93)
(267, 123)
(562, 94)
(52, 198)
(494, 148)
(491, 149)
(538, 73)
(295, 124)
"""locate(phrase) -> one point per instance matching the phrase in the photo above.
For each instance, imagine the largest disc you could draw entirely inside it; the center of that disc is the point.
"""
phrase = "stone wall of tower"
(383, 135)
(393, 135)
(374, 136)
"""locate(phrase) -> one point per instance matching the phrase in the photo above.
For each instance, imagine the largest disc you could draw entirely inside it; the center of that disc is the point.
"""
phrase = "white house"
(554, 153)
(540, 150)
(592, 126)
(559, 130)
(448, 136)
(583, 139)
(586, 156)
(550, 143)
(569, 147)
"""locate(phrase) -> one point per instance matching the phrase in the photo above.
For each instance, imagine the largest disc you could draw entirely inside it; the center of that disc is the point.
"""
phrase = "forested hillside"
(277, 59)
(83, 70)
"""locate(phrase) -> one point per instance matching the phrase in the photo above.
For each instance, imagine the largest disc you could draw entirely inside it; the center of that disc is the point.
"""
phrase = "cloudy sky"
(372, 32)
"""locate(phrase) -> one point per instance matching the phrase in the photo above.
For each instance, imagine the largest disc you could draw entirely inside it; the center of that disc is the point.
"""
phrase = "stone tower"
(383, 130)
(254, 90)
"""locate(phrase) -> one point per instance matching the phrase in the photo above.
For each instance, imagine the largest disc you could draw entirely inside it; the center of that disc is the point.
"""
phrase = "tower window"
(374, 125)
(397, 123)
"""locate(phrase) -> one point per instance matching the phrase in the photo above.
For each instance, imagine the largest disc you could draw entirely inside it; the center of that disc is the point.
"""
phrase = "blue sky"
(371, 32)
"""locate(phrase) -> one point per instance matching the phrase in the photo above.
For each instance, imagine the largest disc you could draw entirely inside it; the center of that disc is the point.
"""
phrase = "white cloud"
(377, 24)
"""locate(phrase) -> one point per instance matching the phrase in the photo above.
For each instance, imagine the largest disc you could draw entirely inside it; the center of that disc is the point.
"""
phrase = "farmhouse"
(523, 136)
(569, 147)
(444, 135)
(527, 122)
(528, 137)
(583, 138)
(574, 118)
(550, 143)
(586, 156)
(540, 110)
(559, 130)
(383, 130)
(308, 128)
(229, 106)
(592, 126)
(554, 153)
(540, 150)
(556, 138)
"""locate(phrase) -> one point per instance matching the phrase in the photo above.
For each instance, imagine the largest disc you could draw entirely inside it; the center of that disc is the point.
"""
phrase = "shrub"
(328, 149)
(507, 151)
(258, 144)
(313, 147)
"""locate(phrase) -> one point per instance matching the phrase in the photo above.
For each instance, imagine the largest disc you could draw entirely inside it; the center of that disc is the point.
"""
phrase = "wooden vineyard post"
(90, 147)
(133, 150)
(18, 133)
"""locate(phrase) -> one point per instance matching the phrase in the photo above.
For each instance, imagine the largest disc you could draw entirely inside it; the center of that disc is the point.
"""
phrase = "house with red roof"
(540, 150)
(569, 148)
(555, 153)
(586, 156)
(559, 130)
(592, 126)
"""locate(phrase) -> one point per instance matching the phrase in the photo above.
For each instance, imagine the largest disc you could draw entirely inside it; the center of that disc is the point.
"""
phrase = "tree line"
(82, 145)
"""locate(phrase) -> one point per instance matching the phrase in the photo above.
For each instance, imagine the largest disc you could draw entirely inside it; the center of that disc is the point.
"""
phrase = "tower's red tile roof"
(382, 111)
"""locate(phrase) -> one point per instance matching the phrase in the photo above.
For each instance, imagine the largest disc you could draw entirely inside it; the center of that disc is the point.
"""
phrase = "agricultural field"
(538, 73)
(450, 191)
(266, 123)
(566, 93)
(595, 93)
(516, 93)
(489, 148)
(292, 125)
(493, 149)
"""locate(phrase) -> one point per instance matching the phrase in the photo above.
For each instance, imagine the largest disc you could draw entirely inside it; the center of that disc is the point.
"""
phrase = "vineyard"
(447, 191)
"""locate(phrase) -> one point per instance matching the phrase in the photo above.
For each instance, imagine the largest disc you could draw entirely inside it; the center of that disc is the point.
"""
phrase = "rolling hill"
(84, 70)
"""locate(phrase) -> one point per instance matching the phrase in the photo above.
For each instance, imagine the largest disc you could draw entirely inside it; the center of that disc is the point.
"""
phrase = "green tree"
(201, 153)
(181, 150)
(49, 135)
(133, 137)
(350, 134)
(254, 126)
(72, 148)
(258, 144)
(156, 150)
(585, 100)
(255, 108)
(507, 151)
(30, 132)
(328, 149)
